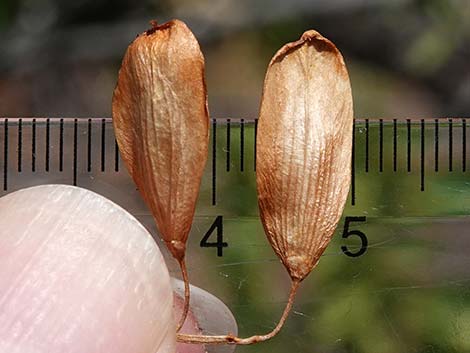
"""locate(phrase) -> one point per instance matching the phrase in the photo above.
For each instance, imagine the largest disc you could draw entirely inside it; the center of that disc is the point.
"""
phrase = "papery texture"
(79, 275)
(162, 125)
(304, 148)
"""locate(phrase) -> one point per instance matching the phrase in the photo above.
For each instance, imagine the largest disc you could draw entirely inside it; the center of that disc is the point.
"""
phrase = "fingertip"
(80, 275)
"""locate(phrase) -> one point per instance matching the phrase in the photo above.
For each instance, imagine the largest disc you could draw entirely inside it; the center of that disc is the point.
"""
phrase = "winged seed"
(161, 123)
(304, 148)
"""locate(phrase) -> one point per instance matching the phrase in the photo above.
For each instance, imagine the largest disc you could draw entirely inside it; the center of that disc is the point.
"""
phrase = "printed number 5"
(347, 233)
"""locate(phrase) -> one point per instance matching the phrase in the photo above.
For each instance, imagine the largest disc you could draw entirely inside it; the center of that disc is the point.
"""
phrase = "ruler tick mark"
(214, 159)
(20, 145)
(464, 145)
(75, 147)
(61, 145)
(103, 144)
(367, 145)
(436, 145)
(254, 147)
(394, 145)
(450, 145)
(89, 146)
(408, 135)
(227, 146)
(381, 145)
(5, 155)
(242, 145)
(116, 156)
(353, 165)
(48, 142)
(33, 146)
(422, 155)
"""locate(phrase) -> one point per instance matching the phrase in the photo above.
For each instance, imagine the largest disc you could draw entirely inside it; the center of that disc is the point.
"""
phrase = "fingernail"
(208, 315)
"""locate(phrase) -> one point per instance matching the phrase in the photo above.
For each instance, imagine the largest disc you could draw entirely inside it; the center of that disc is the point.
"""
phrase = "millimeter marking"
(381, 145)
(103, 144)
(48, 142)
(20, 145)
(422, 156)
(242, 145)
(227, 146)
(450, 145)
(5, 155)
(394, 145)
(33, 147)
(353, 165)
(116, 156)
(367, 146)
(75, 150)
(214, 159)
(436, 145)
(408, 149)
(88, 150)
(61, 145)
(254, 147)
(464, 145)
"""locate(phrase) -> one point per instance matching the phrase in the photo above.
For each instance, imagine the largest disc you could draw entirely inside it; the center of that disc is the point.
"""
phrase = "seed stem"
(184, 273)
(231, 339)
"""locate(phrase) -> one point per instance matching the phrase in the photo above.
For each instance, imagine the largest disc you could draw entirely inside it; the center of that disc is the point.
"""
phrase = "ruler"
(396, 277)
(422, 155)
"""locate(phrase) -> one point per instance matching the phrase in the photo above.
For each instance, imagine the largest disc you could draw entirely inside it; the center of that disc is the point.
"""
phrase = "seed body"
(304, 150)
(162, 126)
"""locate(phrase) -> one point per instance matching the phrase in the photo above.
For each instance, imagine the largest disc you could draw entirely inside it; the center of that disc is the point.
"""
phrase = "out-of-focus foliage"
(406, 57)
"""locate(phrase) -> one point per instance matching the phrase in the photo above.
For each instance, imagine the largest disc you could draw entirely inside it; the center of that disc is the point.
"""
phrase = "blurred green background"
(410, 291)
(406, 57)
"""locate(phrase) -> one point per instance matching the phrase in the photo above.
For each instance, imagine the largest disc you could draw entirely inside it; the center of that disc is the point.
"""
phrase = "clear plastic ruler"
(396, 277)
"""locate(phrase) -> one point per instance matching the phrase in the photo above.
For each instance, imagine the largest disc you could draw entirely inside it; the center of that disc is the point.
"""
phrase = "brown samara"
(161, 124)
(304, 150)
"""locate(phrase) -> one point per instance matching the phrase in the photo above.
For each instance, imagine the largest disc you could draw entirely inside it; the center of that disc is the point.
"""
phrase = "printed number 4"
(347, 233)
(219, 244)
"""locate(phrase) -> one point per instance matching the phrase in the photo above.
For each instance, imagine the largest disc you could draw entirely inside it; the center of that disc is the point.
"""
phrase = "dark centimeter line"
(367, 146)
(20, 145)
(394, 145)
(33, 147)
(450, 145)
(61, 145)
(5, 155)
(103, 146)
(88, 150)
(227, 146)
(214, 159)
(408, 154)
(242, 145)
(381, 145)
(422, 155)
(116, 156)
(254, 147)
(353, 165)
(464, 145)
(75, 148)
(436, 145)
(48, 143)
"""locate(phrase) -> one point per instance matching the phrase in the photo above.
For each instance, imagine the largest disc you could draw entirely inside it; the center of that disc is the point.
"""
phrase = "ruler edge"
(40, 121)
